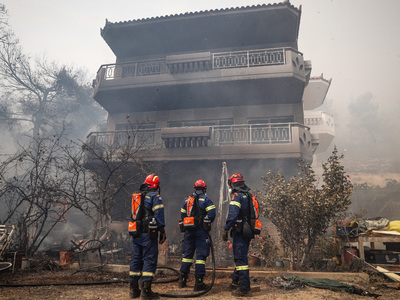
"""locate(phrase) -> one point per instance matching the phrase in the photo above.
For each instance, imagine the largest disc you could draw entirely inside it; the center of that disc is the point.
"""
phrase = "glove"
(162, 237)
(225, 235)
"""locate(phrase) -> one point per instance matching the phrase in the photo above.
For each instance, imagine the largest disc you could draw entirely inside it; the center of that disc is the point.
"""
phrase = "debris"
(285, 284)
(6, 232)
(333, 285)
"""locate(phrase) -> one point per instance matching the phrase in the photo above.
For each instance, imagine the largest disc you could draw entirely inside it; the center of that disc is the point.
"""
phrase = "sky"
(356, 43)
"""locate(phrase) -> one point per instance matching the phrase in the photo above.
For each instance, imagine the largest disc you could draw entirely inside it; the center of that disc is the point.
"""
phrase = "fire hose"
(191, 295)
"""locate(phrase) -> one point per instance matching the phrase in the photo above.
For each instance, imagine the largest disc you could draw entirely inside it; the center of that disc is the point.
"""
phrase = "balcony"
(315, 92)
(258, 141)
(175, 64)
(322, 129)
(270, 75)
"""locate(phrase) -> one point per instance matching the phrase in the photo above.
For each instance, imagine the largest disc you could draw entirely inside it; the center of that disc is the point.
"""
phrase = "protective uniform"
(241, 240)
(144, 247)
(196, 239)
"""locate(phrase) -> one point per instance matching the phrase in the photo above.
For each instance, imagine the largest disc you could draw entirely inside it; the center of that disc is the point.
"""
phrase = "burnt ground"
(261, 284)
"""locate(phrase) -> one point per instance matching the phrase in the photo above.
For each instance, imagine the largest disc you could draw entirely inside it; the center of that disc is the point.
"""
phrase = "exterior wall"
(239, 115)
(265, 76)
(245, 132)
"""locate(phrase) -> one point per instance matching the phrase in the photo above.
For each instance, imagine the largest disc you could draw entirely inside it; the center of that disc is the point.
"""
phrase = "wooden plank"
(392, 268)
(386, 232)
(361, 249)
(389, 274)
(381, 238)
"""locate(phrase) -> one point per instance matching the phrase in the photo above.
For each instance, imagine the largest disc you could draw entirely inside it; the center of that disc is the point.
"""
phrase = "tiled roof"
(205, 12)
(321, 77)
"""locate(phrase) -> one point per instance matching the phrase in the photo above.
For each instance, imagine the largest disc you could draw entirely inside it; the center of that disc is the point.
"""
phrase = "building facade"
(208, 87)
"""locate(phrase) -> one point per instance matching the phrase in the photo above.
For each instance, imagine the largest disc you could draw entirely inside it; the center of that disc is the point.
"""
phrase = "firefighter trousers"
(144, 258)
(195, 241)
(240, 251)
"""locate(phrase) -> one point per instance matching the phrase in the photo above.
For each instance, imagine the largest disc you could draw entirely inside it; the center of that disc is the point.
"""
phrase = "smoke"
(365, 117)
(84, 119)
(7, 143)
(75, 227)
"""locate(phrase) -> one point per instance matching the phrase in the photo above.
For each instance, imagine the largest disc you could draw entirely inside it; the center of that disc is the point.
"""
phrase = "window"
(226, 122)
(127, 126)
(282, 120)
(201, 123)
(272, 120)
(175, 124)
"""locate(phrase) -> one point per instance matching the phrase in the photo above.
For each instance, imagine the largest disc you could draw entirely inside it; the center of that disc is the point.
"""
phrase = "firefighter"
(144, 245)
(197, 214)
(241, 233)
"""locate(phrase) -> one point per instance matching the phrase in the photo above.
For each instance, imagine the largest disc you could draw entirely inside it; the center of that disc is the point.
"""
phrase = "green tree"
(301, 210)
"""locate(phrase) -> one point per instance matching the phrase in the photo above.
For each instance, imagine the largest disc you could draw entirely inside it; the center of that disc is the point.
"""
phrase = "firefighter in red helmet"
(149, 226)
(197, 214)
(236, 222)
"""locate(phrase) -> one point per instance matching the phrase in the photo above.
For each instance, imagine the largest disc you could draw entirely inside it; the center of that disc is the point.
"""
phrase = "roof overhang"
(315, 92)
(234, 28)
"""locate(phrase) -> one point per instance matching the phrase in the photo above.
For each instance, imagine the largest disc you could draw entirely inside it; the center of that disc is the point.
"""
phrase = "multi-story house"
(208, 87)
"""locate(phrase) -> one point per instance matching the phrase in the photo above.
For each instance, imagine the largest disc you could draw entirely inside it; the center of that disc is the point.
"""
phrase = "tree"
(42, 181)
(33, 184)
(3, 23)
(39, 92)
(300, 210)
(377, 200)
(109, 173)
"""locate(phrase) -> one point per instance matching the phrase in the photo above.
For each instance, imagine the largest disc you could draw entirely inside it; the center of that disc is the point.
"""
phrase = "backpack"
(135, 226)
(255, 223)
(194, 215)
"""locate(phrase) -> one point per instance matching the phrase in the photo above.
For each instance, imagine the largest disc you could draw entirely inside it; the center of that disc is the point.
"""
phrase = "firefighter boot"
(182, 280)
(134, 291)
(199, 285)
(233, 285)
(147, 293)
(242, 293)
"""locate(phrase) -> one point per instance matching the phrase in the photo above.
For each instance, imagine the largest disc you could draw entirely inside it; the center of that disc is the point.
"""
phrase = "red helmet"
(235, 178)
(200, 184)
(152, 181)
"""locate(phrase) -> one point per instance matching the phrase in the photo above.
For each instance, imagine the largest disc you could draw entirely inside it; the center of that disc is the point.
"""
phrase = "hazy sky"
(354, 42)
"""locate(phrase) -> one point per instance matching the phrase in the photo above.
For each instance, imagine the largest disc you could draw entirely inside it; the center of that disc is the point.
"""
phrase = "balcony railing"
(319, 122)
(253, 58)
(252, 134)
(140, 139)
(276, 133)
(215, 61)
(136, 69)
